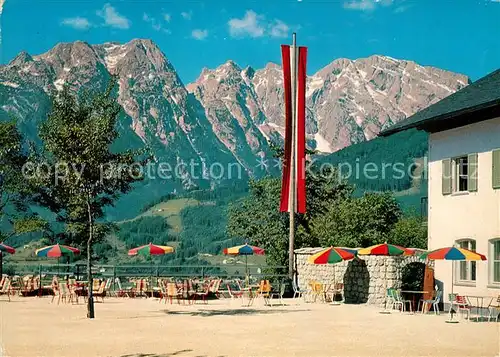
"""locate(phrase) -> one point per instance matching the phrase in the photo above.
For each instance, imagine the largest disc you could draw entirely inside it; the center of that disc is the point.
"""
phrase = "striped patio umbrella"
(332, 255)
(386, 249)
(151, 249)
(4, 248)
(245, 250)
(57, 251)
(452, 253)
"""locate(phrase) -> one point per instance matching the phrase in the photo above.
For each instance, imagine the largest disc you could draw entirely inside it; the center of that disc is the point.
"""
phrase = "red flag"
(294, 79)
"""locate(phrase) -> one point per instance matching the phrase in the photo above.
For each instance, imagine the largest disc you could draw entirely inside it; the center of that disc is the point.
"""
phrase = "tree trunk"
(90, 301)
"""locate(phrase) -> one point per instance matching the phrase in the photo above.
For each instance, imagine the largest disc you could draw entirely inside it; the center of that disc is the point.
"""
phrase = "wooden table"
(414, 294)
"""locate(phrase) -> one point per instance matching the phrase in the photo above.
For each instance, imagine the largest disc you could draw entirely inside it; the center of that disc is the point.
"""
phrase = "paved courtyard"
(33, 327)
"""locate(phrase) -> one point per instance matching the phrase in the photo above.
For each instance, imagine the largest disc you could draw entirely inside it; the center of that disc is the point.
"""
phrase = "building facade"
(464, 183)
(464, 204)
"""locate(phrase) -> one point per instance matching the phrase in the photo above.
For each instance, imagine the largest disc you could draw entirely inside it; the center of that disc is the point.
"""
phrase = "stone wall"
(365, 278)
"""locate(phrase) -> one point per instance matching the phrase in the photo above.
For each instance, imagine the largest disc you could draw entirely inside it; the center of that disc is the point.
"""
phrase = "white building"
(464, 182)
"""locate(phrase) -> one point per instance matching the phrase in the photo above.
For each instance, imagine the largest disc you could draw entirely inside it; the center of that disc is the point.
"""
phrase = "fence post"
(203, 273)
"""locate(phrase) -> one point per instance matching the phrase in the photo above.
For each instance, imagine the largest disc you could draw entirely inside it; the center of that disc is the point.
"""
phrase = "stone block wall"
(365, 278)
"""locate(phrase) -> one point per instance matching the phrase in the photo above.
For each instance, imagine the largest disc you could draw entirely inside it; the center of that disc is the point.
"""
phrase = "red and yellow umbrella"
(151, 249)
(452, 253)
(6, 248)
(331, 255)
(57, 251)
(386, 250)
(244, 249)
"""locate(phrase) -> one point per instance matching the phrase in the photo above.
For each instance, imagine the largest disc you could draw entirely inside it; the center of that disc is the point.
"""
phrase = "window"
(467, 270)
(460, 174)
(494, 261)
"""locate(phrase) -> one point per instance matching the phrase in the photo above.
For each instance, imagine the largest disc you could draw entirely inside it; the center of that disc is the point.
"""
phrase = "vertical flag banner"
(293, 188)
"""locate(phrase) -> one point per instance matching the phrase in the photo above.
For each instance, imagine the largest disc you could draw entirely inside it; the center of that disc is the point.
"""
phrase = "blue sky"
(459, 35)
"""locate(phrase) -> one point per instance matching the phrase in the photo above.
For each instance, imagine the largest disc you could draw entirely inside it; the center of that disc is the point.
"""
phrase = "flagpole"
(292, 192)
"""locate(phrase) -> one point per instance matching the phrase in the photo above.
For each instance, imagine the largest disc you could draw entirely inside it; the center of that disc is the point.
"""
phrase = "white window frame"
(492, 261)
(455, 169)
(469, 266)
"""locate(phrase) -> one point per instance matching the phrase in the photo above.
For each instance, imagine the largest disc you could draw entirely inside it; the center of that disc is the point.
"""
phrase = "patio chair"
(121, 292)
(233, 293)
(6, 289)
(297, 292)
(494, 309)
(462, 305)
(173, 292)
(163, 290)
(278, 295)
(62, 293)
(438, 294)
(203, 295)
(390, 300)
(316, 290)
(398, 300)
(101, 292)
(405, 301)
(214, 289)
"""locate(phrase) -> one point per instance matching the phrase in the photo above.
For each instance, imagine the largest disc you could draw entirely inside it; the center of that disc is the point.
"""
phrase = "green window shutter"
(472, 172)
(496, 168)
(446, 177)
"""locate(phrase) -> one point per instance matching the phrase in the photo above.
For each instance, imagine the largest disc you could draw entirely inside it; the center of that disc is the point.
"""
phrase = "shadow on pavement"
(229, 312)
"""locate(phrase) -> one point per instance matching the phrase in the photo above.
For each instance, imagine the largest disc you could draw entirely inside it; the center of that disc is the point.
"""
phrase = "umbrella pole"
(385, 311)
(246, 271)
(451, 321)
(1, 262)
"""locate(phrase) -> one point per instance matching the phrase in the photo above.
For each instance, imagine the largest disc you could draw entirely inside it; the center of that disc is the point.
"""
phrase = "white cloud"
(112, 18)
(156, 25)
(279, 29)
(78, 23)
(199, 34)
(365, 5)
(256, 25)
(167, 17)
(187, 15)
(250, 25)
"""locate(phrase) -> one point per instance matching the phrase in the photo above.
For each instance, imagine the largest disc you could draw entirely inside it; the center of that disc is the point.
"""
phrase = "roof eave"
(462, 117)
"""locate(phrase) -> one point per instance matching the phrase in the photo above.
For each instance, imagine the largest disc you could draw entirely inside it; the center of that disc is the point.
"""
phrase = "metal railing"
(79, 270)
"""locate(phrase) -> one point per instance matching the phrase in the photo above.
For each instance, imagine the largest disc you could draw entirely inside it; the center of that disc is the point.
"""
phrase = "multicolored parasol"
(5, 248)
(332, 255)
(389, 250)
(151, 249)
(244, 249)
(57, 251)
(386, 250)
(452, 253)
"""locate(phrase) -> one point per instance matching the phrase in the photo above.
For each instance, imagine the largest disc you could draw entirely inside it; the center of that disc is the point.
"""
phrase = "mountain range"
(229, 114)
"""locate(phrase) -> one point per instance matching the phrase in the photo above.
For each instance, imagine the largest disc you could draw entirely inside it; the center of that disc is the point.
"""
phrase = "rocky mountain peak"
(22, 58)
